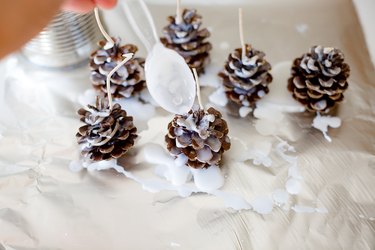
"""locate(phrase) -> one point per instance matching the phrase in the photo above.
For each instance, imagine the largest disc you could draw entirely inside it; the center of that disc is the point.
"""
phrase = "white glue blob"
(169, 80)
(322, 122)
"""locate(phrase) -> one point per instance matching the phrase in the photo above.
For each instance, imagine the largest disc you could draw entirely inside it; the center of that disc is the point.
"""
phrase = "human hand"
(87, 5)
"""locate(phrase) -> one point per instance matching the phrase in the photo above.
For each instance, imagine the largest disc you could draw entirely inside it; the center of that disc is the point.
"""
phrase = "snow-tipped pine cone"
(246, 79)
(200, 135)
(319, 78)
(127, 80)
(107, 133)
(188, 39)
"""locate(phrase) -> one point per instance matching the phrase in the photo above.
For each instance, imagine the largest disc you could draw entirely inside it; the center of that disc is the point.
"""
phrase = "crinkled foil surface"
(44, 205)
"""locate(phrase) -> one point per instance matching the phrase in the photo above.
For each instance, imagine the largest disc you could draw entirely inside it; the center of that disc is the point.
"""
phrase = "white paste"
(322, 122)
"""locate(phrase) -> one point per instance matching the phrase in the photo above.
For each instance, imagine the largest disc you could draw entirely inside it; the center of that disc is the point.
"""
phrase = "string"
(198, 88)
(101, 28)
(240, 20)
(127, 58)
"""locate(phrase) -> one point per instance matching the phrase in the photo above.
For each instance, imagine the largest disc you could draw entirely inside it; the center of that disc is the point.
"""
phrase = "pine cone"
(201, 136)
(319, 78)
(188, 40)
(107, 134)
(246, 80)
(128, 80)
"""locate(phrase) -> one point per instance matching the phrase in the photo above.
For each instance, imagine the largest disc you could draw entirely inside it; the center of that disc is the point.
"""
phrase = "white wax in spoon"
(169, 80)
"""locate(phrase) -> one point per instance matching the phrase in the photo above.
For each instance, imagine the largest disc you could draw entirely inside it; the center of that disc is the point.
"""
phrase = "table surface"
(44, 205)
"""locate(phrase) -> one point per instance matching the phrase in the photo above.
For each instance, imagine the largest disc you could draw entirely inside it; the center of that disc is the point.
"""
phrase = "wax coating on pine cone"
(127, 80)
(188, 39)
(319, 78)
(107, 133)
(246, 79)
(200, 135)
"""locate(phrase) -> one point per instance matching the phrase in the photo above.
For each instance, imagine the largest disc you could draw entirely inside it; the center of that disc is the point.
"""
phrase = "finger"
(106, 4)
(81, 6)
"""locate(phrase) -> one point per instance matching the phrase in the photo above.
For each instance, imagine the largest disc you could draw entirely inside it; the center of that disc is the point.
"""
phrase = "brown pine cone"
(127, 80)
(319, 78)
(188, 40)
(107, 134)
(200, 135)
(246, 80)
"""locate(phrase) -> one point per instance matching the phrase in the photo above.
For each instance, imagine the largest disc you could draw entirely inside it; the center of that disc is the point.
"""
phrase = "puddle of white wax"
(293, 186)
(306, 209)
(262, 204)
(208, 179)
(258, 153)
(322, 122)
(280, 197)
(232, 201)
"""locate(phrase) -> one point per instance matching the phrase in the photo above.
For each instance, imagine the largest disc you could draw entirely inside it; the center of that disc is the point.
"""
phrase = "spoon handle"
(141, 20)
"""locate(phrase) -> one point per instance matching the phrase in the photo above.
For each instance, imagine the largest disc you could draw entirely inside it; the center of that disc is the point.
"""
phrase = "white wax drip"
(293, 183)
(218, 97)
(259, 153)
(141, 112)
(322, 122)
(208, 179)
(307, 209)
(262, 204)
(280, 197)
(244, 111)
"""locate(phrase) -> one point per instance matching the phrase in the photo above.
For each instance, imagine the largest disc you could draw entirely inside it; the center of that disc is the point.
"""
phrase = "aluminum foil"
(44, 205)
